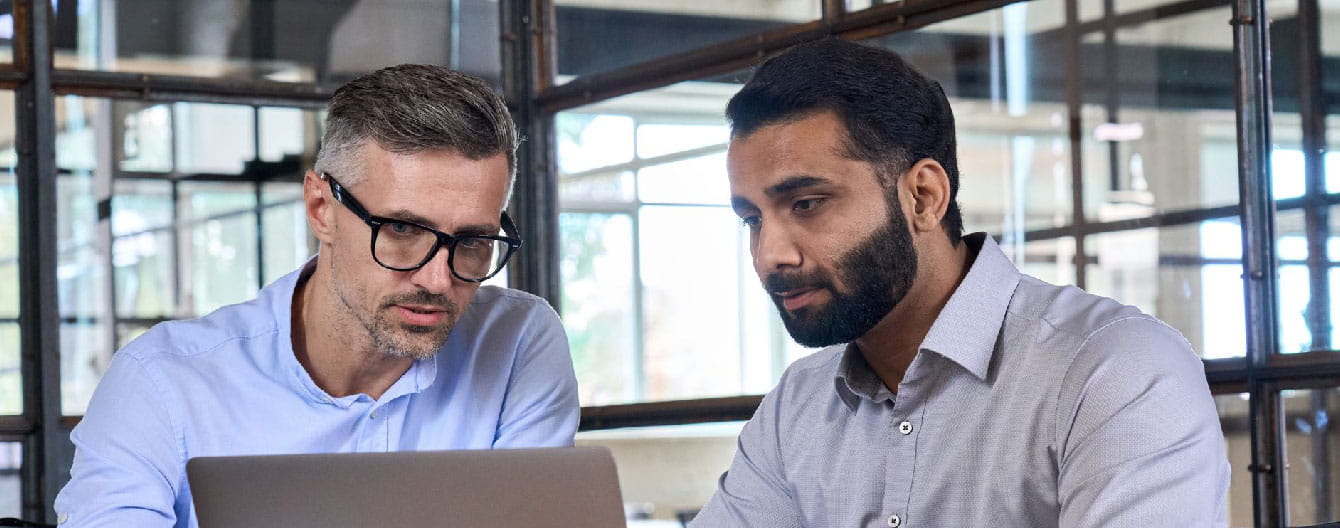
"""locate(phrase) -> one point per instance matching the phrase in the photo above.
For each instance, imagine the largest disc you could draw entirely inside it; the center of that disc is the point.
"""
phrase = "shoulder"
(494, 303)
(231, 325)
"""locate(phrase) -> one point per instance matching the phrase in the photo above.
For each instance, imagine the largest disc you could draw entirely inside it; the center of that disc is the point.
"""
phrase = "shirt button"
(894, 520)
(373, 415)
(905, 428)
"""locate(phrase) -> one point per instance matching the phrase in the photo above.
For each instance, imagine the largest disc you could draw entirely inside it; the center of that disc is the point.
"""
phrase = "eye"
(471, 243)
(806, 205)
(751, 221)
(400, 228)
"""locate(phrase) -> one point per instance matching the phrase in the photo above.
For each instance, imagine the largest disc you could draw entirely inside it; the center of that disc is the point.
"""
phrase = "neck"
(893, 343)
(331, 345)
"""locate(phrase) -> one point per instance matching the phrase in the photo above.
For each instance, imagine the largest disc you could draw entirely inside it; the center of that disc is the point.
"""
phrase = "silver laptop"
(534, 488)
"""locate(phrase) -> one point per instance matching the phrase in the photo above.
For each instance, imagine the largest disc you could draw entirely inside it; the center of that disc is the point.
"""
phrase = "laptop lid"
(535, 488)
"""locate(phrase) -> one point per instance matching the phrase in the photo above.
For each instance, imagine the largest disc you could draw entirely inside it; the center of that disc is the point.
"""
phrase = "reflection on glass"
(1233, 417)
(690, 281)
(1158, 119)
(1050, 260)
(9, 246)
(596, 265)
(321, 41)
(288, 243)
(220, 265)
(181, 242)
(1311, 452)
(11, 460)
(667, 473)
(1013, 151)
(650, 168)
(1161, 271)
(597, 35)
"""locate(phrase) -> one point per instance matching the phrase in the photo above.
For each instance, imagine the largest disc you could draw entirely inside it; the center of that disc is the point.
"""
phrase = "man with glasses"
(385, 341)
(955, 391)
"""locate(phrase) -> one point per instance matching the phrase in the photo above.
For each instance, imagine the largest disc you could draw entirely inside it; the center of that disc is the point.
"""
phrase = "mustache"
(423, 298)
(776, 283)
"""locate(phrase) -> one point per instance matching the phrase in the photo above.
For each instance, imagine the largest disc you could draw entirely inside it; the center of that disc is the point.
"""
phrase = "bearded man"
(955, 392)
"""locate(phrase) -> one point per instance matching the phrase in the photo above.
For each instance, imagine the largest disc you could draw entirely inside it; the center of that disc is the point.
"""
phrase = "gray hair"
(411, 108)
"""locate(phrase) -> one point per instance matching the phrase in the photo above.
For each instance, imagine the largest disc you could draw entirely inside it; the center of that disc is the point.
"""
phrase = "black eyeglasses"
(407, 246)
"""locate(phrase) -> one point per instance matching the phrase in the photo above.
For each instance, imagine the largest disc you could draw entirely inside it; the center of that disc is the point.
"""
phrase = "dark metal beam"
(734, 408)
(189, 89)
(525, 45)
(744, 52)
(38, 300)
(1075, 133)
(1251, 49)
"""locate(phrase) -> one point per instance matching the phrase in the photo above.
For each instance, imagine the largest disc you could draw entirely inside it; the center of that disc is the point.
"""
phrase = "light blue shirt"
(229, 384)
(1027, 405)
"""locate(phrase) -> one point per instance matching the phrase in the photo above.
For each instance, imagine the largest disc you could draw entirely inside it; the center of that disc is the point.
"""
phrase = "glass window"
(1312, 448)
(594, 36)
(1158, 117)
(667, 473)
(308, 41)
(645, 223)
(11, 460)
(11, 393)
(199, 218)
(1234, 418)
(1013, 146)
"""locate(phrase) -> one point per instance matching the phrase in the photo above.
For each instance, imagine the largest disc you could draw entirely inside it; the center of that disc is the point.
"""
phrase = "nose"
(435, 276)
(774, 249)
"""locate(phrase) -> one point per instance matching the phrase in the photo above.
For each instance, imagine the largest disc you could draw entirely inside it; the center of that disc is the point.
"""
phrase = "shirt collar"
(965, 332)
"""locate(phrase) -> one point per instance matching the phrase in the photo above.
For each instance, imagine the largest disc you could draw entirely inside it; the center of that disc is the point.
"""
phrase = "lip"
(425, 316)
(794, 300)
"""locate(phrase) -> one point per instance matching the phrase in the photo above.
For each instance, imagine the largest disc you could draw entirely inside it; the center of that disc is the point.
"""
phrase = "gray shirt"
(1027, 405)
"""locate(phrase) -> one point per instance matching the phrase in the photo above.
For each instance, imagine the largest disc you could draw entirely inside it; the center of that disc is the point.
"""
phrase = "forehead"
(812, 146)
(440, 185)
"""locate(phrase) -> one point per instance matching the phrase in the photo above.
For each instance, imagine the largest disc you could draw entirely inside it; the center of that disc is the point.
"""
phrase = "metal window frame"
(528, 58)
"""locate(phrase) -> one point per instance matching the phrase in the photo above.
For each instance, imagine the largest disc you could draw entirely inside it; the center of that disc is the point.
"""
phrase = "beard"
(876, 275)
(399, 340)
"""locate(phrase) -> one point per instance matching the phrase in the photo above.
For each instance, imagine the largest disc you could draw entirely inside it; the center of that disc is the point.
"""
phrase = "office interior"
(1182, 156)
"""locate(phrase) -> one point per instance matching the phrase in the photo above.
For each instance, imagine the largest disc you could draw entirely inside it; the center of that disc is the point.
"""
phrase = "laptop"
(534, 488)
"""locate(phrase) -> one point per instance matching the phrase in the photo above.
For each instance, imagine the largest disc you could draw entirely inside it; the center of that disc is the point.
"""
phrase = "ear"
(926, 188)
(320, 206)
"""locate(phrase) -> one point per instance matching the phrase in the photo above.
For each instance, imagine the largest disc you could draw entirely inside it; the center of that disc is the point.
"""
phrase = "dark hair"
(893, 114)
(411, 108)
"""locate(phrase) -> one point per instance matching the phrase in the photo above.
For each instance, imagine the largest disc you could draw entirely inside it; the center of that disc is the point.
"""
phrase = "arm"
(541, 408)
(754, 492)
(1138, 436)
(127, 464)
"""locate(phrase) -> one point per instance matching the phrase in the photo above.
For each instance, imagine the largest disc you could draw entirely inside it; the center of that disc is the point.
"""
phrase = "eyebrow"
(471, 229)
(794, 183)
(740, 203)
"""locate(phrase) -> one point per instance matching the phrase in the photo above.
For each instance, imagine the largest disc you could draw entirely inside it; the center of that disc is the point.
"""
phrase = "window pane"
(1050, 260)
(287, 240)
(1013, 146)
(666, 474)
(643, 189)
(182, 237)
(11, 460)
(291, 41)
(600, 35)
(219, 263)
(1158, 123)
(1233, 417)
(1311, 447)
(1189, 276)
(599, 304)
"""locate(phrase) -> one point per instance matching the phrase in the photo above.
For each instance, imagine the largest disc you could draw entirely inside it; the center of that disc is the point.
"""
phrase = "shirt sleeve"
(1138, 435)
(127, 463)
(541, 407)
(754, 491)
